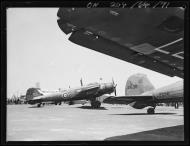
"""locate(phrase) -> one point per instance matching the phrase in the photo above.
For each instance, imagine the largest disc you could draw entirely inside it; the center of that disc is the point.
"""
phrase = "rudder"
(138, 84)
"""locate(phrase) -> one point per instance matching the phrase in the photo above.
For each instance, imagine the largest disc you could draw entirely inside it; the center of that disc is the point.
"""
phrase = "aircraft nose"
(110, 86)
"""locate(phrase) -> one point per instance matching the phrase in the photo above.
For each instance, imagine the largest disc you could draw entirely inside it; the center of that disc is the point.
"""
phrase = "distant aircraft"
(141, 93)
(88, 92)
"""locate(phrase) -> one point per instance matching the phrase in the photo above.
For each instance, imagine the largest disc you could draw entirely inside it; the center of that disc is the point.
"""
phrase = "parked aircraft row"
(141, 94)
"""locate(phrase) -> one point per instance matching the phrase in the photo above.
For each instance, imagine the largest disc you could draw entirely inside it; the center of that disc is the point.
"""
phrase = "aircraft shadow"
(174, 133)
(89, 107)
(145, 114)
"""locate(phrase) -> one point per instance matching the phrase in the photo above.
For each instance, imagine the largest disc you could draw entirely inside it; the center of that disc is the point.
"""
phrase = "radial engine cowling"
(138, 105)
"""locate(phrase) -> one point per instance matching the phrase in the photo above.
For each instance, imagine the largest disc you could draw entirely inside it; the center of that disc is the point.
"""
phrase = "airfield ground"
(80, 122)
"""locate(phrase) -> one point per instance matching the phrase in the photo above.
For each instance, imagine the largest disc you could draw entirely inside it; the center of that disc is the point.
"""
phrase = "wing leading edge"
(154, 40)
(127, 99)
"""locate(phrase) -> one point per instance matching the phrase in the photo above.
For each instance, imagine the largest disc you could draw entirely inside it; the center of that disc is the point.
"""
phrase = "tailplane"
(33, 92)
(138, 84)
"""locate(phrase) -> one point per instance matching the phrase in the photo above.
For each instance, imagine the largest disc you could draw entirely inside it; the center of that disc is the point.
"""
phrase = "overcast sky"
(38, 51)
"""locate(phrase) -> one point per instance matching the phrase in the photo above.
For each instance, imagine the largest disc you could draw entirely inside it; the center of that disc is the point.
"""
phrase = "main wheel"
(95, 104)
(98, 104)
(176, 105)
(70, 102)
(39, 104)
(150, 111)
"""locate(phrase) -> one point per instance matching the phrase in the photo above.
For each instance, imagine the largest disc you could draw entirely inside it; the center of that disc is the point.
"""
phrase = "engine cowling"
(138, 105)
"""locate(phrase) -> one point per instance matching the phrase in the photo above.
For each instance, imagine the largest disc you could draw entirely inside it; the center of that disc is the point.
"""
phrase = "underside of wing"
(127, 99)
(151, 38)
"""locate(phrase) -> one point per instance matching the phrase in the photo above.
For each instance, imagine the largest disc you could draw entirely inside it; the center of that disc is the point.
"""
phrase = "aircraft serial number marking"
(162, 95)
(131, 86)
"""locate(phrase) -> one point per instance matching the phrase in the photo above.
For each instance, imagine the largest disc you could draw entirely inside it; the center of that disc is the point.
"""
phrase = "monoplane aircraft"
(140, 93)
(87, 92)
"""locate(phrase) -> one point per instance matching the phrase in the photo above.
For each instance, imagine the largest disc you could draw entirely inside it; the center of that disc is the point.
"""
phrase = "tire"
(98, 104)
(150, 111)
(70, 103)
(95, 104)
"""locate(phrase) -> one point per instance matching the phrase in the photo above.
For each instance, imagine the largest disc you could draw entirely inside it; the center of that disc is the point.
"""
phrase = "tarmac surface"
(81, 122)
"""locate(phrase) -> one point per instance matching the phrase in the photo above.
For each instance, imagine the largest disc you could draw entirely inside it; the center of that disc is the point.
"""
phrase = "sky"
(38, 51)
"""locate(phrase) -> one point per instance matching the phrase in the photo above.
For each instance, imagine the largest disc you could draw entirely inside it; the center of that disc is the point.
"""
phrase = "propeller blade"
(115, 92)
(114, 86)
(113, 81)
(81, 83)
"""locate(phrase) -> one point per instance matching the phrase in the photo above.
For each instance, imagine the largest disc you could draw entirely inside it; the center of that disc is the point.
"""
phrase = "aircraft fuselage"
(170, 93)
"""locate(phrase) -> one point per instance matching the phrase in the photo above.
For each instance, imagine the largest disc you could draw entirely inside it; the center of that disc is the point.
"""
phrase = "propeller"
(81, 83)
(114, 87)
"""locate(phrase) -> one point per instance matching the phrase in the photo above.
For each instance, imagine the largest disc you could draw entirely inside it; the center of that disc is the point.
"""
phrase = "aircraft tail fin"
(33, 92)
(138, 84)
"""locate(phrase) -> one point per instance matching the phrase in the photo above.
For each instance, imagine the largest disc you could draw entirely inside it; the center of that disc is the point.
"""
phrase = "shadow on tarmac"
(175, 133)
(145, 114)
(89, 107)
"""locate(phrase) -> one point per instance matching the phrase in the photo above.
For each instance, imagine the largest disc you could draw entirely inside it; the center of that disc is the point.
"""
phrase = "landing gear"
(176, 105)
(43, 104)
(39, 104)
(57, 103)
(95, 104)
(71, 103)
(150, 110)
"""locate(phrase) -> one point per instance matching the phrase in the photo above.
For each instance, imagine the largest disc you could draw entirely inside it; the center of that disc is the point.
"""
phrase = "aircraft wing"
(89, 89)
(150, 38)
(127, 99)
